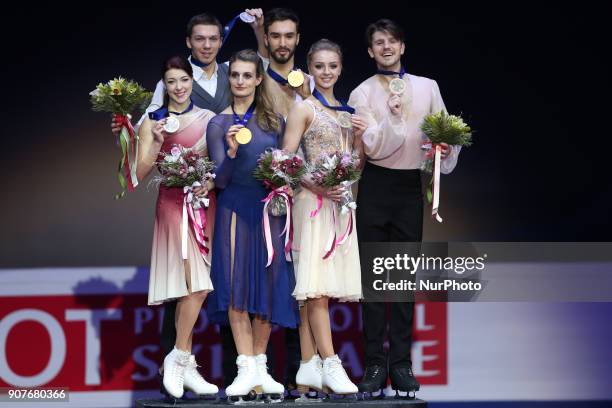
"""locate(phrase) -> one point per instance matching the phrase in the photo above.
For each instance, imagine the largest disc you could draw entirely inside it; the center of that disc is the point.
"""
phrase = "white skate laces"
(246, 380)
(195, 382)
(175, 364)
(268, 384)
(335, 377)
(335, 369)
(243, 368)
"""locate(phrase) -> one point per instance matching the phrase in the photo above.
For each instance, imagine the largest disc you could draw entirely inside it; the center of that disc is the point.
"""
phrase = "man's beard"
(385, 64)
(278, 58)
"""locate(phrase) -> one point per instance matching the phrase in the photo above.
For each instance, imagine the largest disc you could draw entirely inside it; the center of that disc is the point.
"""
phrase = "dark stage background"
(532, 82)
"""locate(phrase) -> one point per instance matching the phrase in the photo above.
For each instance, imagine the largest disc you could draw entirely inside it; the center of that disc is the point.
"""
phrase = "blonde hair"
(267, 119)
(323, 45)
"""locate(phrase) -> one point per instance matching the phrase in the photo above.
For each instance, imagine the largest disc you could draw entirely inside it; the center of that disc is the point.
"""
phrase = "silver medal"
(397, 86)
(172, 124)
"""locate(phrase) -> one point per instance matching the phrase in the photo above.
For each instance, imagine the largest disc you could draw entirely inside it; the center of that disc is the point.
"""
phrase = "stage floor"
(388, 402)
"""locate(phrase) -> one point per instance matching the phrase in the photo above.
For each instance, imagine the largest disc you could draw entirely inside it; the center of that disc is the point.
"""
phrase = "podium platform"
(388, 402)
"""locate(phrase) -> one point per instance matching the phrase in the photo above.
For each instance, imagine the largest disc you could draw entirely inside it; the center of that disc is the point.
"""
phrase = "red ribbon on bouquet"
(196, 218)
(129, 155)
(288, 230)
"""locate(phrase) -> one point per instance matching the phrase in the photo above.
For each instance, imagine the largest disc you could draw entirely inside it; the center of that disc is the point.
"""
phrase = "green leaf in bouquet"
(120, 96)
(444, 128)
(429, 195)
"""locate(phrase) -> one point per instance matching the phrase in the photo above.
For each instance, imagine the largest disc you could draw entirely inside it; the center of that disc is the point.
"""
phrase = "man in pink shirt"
(390, 200)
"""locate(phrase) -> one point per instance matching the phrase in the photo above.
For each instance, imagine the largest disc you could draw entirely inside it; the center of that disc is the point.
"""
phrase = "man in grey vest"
(211, 90)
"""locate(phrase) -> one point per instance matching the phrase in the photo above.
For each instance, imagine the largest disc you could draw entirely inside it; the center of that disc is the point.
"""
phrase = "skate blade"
(371, 396)
(206, 397)
(309, 399)
(251, 398)
(274, 398)
(405, 395)
(334, 396)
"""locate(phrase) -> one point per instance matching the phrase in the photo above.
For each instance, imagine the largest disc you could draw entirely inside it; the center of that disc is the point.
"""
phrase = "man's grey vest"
(221, 100)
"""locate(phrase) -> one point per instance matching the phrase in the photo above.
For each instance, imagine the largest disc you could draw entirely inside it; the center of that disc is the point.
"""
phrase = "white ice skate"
(310, 378)
(273, 390)
(246, 384)
(175, 365)
(195, 382)
(335, 378)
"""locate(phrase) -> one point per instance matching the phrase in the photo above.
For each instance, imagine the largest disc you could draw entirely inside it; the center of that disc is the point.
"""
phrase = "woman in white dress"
(313, 125)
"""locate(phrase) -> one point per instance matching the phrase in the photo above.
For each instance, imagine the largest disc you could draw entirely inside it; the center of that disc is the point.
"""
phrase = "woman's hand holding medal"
(359, 125)
(230, 137)
(158, 131)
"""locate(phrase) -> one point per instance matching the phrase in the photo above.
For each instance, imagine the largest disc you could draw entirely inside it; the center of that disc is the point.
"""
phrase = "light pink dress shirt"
(395, 141)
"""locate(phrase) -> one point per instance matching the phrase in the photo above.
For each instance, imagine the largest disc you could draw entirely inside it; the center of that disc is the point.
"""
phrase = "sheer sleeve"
(381, 139)
(281, 133)
(217, 147)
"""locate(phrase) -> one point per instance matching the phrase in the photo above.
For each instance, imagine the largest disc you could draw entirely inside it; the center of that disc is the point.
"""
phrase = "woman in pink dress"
(172, 277)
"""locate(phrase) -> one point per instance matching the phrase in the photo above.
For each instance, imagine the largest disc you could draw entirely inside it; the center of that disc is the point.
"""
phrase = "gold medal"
(244, 136)
(295, 79)
(397, 86)
(172, 124)
(344, 119)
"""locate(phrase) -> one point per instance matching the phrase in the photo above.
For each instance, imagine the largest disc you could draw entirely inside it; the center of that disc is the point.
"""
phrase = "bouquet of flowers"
(441, 128)
(183, 167)
(338, 169)
(122, 97)
(330, 170)
(279, 170)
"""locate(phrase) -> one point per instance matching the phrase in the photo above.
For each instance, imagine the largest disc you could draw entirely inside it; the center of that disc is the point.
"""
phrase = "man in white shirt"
(390, 200)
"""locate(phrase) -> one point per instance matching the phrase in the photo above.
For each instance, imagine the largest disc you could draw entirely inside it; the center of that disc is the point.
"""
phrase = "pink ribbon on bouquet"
(288, 230)
(332, 242)
(436, 153)
(196, 217)
(314, 212)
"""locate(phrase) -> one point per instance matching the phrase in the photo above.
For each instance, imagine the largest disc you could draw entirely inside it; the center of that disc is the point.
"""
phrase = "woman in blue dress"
(244, 286)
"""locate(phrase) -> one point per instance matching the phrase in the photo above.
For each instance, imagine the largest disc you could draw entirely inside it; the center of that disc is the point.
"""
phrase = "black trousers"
(168, 332)
(389, 209)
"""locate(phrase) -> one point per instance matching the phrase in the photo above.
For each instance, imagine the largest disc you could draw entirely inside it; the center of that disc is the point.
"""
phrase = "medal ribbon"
(228, 27)
(246, 117)
(383, 72)
(164, 112)
(344, 107)
(278, 77)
